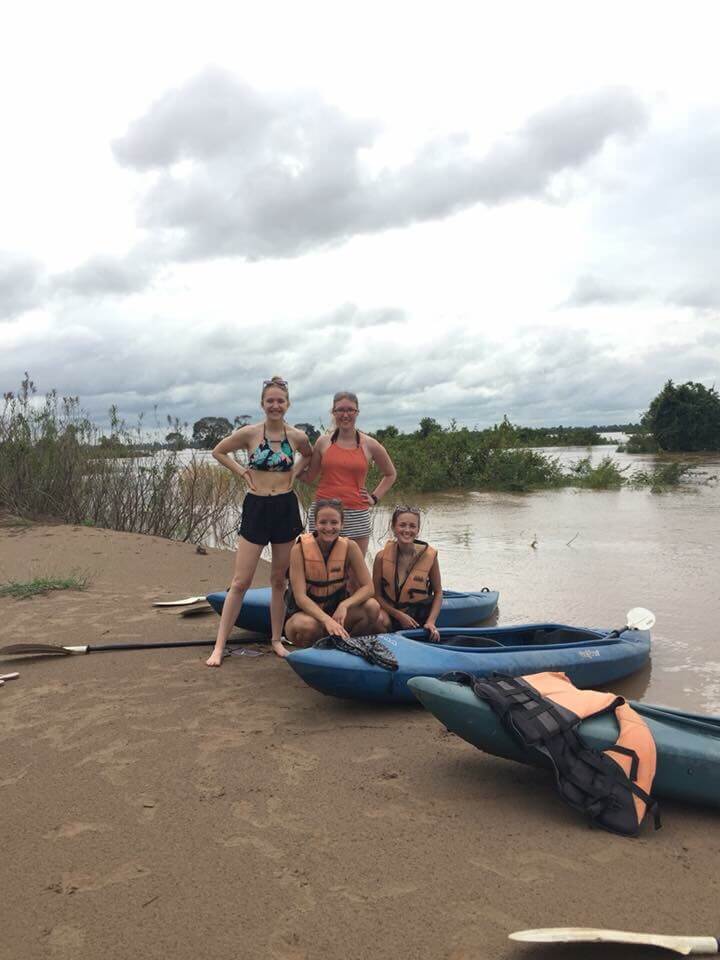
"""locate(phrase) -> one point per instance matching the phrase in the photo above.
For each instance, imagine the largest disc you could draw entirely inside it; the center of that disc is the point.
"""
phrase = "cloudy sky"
(457, 210)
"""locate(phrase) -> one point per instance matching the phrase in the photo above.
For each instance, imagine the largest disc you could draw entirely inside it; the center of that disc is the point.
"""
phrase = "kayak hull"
(688, 745)
(458, 609)
(589, 657)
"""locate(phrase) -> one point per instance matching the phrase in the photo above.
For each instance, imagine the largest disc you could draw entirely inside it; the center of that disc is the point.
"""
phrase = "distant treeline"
(55, 462)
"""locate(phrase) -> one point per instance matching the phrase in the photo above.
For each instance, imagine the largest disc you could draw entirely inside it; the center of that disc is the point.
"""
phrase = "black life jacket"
(544, 710)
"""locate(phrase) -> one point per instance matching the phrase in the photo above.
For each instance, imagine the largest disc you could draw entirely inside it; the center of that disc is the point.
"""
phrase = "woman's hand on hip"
(249, 482)
(367, 497)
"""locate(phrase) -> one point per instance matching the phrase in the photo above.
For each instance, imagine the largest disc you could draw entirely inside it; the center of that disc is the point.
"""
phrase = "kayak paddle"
(32, 648)
(9, 676)
(682, 945)
(636, 619)
(187, 602)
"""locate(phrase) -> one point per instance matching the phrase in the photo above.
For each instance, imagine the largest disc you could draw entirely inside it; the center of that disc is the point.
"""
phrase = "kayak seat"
(557, 636)
(461, 641)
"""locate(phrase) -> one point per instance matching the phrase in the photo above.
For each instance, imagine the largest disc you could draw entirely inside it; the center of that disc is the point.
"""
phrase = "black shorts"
(270, 519)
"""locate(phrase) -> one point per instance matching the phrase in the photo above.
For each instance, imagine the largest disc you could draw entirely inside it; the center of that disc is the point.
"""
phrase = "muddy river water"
(597, 554)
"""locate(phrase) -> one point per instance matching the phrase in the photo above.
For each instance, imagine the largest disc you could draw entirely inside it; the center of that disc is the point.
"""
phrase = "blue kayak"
(458, 609)
(688, 745)
(588, 657)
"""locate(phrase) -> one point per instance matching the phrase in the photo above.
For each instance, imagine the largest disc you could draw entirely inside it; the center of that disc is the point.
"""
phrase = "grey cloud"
(105, 275)
(653, 230)
(590, 289)
(265, 175)
(540, 375)
(22, 284)
(350, 317)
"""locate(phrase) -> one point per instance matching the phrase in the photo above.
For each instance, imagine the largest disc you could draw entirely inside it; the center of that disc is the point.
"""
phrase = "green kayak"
(688, 745)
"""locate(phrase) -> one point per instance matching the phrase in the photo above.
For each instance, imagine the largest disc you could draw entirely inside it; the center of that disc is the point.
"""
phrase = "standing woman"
(342, 460)
(270, 512)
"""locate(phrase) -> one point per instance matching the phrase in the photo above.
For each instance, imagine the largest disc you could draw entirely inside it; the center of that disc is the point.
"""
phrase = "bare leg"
(303, 630)
(246, 561)
(384, 623)
(363, 620)
(278, 582)
(362, 542)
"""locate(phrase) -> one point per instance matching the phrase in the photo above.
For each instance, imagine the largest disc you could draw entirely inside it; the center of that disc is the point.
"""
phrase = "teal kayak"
(688, 744)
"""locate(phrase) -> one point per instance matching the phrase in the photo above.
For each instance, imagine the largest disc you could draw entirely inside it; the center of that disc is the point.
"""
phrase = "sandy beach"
(153, 808)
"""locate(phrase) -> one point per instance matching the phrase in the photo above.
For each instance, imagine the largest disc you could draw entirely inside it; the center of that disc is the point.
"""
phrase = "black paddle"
(18, 649)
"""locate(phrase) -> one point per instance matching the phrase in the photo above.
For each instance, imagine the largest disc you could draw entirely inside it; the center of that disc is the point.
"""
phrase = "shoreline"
(153, 806)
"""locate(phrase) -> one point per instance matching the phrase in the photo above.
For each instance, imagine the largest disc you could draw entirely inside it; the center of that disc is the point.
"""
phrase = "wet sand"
(152, 807)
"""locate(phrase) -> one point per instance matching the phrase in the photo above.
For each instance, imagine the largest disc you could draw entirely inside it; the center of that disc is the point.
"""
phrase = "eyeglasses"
(342, 410)
(276, 381)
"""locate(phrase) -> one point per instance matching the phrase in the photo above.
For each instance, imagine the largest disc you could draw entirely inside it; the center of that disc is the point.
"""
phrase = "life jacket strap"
(324, 583)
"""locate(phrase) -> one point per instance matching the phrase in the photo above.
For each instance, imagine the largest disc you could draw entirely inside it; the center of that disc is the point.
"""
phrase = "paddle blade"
(188, 601)
(30, 648)
(640, 619)
(681, 945)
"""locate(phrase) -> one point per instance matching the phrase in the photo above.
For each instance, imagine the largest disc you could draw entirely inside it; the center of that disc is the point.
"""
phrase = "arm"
(436, 584)
(381, 457)
(313, 471)
(236, 441)
(308, 606)
(357, 564)
(304, 448)
(404, 619)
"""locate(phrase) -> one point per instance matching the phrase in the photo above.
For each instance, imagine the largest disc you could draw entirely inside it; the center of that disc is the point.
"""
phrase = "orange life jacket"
(545, 709)
(325, 580)
(416, 587)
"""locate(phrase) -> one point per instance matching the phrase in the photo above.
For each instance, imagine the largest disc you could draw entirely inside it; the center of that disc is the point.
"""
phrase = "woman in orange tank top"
(342, 460)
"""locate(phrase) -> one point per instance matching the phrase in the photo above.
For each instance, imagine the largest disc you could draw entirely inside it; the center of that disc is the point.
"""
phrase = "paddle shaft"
(681, 945)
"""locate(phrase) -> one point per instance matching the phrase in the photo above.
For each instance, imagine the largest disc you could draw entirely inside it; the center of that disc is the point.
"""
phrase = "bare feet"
(215, 659)
(279, 648)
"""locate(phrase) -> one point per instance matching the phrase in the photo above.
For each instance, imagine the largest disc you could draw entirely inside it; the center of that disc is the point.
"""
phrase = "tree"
(242, 421)
(429, 425)
(386, 433)
(310, 430)
(175, 440)
(209, 431)
(685, 417)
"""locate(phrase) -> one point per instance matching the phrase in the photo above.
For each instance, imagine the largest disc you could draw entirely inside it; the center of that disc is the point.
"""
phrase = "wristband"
(374, 499)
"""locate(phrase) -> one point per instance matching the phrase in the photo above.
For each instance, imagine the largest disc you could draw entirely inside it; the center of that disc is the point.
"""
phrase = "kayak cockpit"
(523, 637)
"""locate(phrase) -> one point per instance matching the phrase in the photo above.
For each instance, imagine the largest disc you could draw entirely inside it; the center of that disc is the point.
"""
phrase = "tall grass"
(53, 464)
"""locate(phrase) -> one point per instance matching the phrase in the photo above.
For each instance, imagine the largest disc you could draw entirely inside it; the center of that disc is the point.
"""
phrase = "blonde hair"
(278, 382)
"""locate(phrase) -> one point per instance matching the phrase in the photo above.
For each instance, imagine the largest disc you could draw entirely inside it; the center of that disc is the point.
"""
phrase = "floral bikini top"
(264, 457)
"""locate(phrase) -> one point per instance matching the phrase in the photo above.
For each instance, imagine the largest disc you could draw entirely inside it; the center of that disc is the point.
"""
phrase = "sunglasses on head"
(275, 382)
(404, 508)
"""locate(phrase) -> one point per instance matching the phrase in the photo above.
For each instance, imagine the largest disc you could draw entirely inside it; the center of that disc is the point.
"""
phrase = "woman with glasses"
(323, 567)
(406, 574)
(270, 512)
(342, 460)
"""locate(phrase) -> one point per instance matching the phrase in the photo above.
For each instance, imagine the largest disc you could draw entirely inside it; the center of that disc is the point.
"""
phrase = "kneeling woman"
(320, 564)
(406, 574)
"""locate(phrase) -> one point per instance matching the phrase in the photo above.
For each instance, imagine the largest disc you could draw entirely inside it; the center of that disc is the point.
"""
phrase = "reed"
(54, 463)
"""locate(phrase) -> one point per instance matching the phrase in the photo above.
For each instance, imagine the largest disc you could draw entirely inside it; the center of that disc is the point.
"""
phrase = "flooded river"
(597, 555)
